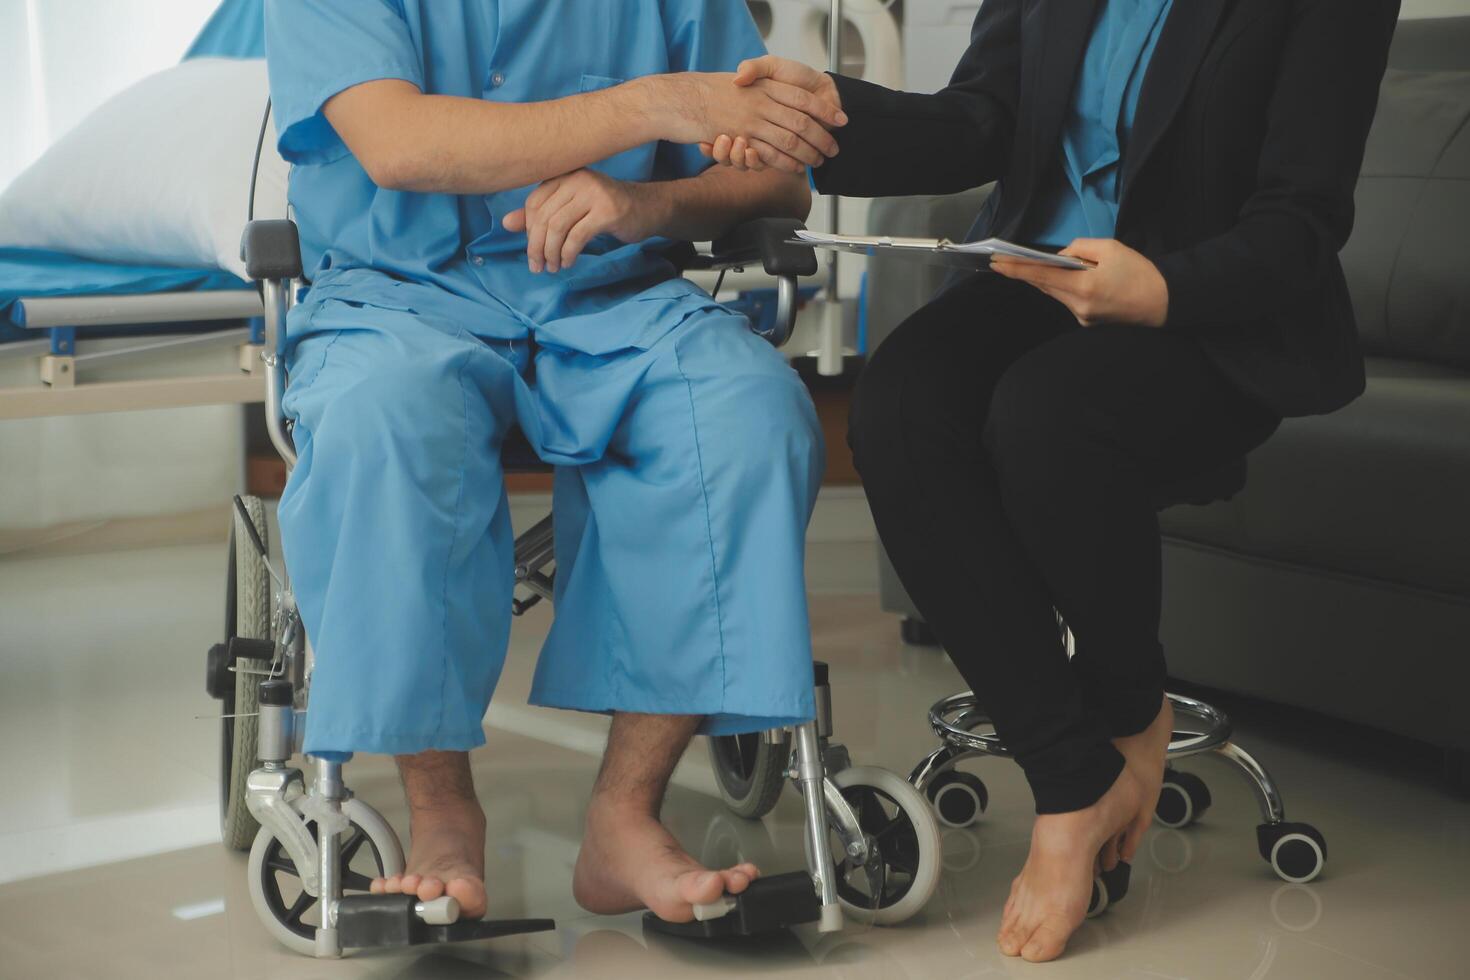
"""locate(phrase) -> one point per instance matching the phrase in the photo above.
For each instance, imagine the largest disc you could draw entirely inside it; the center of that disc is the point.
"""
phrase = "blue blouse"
(1081, 200)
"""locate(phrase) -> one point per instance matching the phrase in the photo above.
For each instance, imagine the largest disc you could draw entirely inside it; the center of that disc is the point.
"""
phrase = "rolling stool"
(1295, 851)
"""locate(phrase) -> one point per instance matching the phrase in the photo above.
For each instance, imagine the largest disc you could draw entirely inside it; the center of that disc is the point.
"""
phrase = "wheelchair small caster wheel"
(959, 798)
(370, 849)
(916, 633)
(902, 871)
(1183, 799)
(1296, 851)
(1108, 889)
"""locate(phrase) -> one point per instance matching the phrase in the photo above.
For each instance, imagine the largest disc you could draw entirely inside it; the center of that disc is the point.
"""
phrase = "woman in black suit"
(1013, 434)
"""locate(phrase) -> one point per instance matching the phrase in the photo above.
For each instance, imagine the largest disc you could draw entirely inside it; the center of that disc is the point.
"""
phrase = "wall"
(60, 59)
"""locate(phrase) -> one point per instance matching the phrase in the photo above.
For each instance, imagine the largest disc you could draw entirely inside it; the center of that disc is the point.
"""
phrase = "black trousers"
(1011, 459)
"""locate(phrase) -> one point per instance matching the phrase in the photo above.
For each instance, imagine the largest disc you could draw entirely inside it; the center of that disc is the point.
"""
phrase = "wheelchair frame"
(281, 800)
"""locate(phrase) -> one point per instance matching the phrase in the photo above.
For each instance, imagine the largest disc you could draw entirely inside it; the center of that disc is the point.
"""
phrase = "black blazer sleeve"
(1281, 252)
(898, 143)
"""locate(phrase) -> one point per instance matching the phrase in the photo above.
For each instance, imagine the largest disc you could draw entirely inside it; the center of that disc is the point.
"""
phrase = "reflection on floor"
(109, 866)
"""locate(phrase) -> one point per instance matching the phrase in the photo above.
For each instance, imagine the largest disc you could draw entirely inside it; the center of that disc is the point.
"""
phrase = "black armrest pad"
(271, 250)
(767, 240)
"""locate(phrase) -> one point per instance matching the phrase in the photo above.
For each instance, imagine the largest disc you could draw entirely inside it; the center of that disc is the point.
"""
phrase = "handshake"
(772, 113)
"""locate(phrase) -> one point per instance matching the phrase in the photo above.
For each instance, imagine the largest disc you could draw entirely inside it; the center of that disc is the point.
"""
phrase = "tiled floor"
(109, 866)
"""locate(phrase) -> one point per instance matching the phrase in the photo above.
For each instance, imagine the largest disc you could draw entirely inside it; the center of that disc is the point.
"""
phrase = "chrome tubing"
(276, 294)
(949, 718)
(1217, 728)
(786, 300)
(330, 791)
(1267, 795)
(810, 776)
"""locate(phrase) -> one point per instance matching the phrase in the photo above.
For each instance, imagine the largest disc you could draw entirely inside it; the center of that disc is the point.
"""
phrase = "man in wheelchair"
(483, 190)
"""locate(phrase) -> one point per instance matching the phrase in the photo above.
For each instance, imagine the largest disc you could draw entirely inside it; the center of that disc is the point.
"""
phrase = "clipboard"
(940, 251)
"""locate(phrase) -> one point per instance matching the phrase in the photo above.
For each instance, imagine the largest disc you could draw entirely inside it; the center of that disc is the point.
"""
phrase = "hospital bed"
(52, 346)
(83, 336)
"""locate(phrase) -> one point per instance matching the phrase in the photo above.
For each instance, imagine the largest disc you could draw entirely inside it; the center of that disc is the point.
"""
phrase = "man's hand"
(565, 213)
(790, 83)
(784, 126)
(1122, 287)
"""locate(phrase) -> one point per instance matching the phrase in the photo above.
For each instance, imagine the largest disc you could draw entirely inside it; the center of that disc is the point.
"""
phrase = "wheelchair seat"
(517, 455)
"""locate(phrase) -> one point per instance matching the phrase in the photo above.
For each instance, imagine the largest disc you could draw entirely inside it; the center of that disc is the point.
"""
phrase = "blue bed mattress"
(28, 272)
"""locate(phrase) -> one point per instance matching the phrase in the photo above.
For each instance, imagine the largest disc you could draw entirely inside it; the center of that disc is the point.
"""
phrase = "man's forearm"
(702, 208)
(444, 144)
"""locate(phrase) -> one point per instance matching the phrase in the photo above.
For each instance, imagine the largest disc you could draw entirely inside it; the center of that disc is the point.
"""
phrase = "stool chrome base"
(1296, 851)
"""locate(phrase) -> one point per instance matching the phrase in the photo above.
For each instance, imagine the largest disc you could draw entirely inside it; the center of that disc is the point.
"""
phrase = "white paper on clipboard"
(940, 250)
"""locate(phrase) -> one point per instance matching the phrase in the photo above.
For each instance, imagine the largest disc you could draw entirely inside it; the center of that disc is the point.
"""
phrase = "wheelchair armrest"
(767, 241)
(271, 250)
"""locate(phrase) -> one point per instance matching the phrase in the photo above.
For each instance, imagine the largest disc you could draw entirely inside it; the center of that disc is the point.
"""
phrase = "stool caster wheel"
(1183, 799)
(1295, 851)
(1108, 889)
(959, 798)
(916, 633)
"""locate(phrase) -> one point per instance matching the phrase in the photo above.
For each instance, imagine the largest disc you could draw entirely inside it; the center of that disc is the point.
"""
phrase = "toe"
(393, 885)
(736, 881)
(409, 883)
(429, 888)
(470, 894)
(1046, 943)
(377, 887)
(700, 887)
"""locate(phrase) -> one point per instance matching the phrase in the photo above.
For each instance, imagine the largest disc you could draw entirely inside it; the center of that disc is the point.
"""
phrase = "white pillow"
(159, 175)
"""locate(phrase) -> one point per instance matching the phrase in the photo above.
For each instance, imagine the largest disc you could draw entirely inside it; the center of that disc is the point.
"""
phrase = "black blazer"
(1237, 180)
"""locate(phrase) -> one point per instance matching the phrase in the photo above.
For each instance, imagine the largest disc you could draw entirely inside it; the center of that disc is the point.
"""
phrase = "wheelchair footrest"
(768, 905)
(373, 921)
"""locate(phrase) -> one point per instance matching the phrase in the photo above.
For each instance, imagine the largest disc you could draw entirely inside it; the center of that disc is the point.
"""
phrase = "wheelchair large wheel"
(903, 872)
(370, 849)
(750, 771)
(247, 615)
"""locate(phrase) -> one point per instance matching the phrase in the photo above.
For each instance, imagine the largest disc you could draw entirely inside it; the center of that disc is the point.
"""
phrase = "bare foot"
(629, 862)
(1145, 753)
(1049, 897)
(447, 830)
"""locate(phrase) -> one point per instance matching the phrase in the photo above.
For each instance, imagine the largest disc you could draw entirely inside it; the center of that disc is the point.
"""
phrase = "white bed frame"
(63, 368)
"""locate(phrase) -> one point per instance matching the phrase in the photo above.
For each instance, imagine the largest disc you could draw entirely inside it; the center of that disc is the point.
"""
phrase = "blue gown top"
(1081, 201)
(450, 256)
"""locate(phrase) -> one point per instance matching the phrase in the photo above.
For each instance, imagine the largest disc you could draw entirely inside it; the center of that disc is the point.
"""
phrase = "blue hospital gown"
(687, 451)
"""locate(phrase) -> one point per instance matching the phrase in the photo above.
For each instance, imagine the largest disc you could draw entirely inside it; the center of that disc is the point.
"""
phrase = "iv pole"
(829, 353)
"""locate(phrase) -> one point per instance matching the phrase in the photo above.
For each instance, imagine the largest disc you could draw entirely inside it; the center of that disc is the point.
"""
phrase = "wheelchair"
(871, 841)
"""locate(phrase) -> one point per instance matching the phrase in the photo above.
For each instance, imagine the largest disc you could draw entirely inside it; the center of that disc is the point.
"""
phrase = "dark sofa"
(1339, 579)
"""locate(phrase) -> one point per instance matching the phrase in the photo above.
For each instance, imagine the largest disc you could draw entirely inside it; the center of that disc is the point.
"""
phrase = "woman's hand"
(791, 84)
(565, 213)
(785, 124)
(1122, 287)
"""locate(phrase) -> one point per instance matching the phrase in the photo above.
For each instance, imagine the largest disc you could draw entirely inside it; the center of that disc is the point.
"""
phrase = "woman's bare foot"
(1049, 897)
(1145, 753)
(629, 862)
(447, 831)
